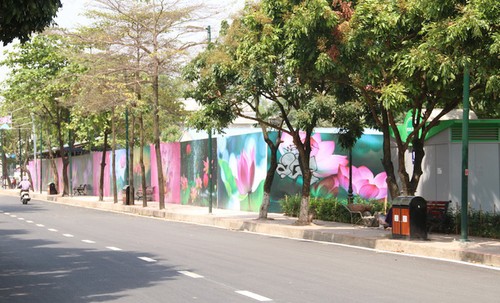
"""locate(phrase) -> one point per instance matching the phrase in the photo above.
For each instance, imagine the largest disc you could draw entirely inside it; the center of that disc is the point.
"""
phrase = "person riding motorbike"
(24, 185)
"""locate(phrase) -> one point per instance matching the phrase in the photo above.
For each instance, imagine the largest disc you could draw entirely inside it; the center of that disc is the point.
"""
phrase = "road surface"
(58, 253)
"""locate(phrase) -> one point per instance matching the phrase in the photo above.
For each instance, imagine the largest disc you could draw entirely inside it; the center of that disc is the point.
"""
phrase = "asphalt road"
(58, 253)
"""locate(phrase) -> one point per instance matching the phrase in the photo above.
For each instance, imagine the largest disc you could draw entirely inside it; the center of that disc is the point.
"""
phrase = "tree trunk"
(26, 162)
(141, 161)
(5, 174)
(156, 130)
(304, 160)
(392, 184)
(273, 165)
(52, 161)
(103, 166)
(131, 164)
(113, 157)
(64, 158)
(418, 149)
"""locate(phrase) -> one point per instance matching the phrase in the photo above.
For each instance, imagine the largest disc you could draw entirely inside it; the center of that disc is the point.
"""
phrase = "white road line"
(68, 235)
(253, 295)
(29, 221)
(52, 229)
(147, 259)
(22, 219)
(88, 241)
(40, 225)
(7, 214)
(113, 248)
(190, 274)
(13, 216)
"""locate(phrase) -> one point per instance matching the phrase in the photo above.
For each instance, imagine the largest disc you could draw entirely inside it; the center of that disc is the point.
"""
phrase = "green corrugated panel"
(483, 133)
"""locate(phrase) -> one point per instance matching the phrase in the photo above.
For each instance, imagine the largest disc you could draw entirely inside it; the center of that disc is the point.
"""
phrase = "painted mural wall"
(330, 169)
(242, 162)
(194, 179)
(239, 169)
(171, 164)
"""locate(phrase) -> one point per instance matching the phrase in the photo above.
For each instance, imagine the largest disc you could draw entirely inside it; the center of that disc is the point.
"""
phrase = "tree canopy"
(20, 18)
(410, 56)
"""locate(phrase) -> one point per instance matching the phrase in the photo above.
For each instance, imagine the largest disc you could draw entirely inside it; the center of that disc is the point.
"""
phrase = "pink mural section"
(35, 174)
(171, 164)
(96, 160)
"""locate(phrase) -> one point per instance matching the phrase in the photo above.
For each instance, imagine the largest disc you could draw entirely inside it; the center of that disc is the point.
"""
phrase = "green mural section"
(194, 180)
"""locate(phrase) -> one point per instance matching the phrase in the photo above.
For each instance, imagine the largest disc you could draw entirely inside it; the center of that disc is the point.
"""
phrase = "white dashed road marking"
(253, 295)
(68, 235)
(22, 219)
(88, 241)
(190, 274)
(147, 259)
(40, 225)
(113, 248)
(52, 229)
(29, 221)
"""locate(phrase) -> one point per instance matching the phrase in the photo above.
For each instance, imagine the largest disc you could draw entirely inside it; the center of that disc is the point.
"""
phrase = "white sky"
(70, 16)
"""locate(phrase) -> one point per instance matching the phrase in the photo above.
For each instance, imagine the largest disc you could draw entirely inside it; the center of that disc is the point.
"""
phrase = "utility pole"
(210, 185)
(34, 150)
(127, 155)
(465, 156)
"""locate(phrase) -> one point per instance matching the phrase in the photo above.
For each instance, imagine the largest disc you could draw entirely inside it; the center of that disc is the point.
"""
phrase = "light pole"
(34, 149)
(210, 185)
(349, 191)
(465, 156)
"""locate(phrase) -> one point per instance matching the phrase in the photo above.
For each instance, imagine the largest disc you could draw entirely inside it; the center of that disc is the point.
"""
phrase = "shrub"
(480, 223)
(326, 209)
(330, 209)
(290, 205)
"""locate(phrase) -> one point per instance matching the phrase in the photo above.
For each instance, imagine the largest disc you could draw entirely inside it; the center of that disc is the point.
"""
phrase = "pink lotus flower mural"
(184, 183)
(364, 183)
(246, 172)
(323, 161)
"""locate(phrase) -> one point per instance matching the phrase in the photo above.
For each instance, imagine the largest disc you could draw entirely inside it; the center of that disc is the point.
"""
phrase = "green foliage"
(480, 223)
(18, 19)
(290, 205)
(410, 55)
(329, 210)
(326, 209)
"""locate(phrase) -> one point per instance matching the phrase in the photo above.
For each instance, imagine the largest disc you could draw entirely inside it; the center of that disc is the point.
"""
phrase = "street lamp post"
(465, 156)
(349, 191)
(210, 185)
(34, 149)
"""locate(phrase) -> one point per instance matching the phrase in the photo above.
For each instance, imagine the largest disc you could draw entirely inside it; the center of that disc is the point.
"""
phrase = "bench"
(436, 214)
(80, 190)
(360, 212)
(149, 193)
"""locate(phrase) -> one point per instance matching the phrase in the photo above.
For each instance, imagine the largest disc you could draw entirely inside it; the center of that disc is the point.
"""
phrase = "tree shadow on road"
(34, 270)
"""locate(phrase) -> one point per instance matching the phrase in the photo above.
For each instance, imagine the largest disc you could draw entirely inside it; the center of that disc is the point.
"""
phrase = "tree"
(410, 56)
(40, 80)
(280, 52)
(152, 34)
(18, 19)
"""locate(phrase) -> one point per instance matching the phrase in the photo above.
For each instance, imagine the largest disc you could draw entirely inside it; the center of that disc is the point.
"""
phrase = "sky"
(70, 16)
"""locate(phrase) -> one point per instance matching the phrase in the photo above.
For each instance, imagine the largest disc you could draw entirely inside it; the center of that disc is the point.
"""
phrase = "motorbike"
(25, 197)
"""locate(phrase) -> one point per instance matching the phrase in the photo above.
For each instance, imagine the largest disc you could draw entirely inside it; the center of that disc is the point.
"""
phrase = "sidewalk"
(477, 250)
